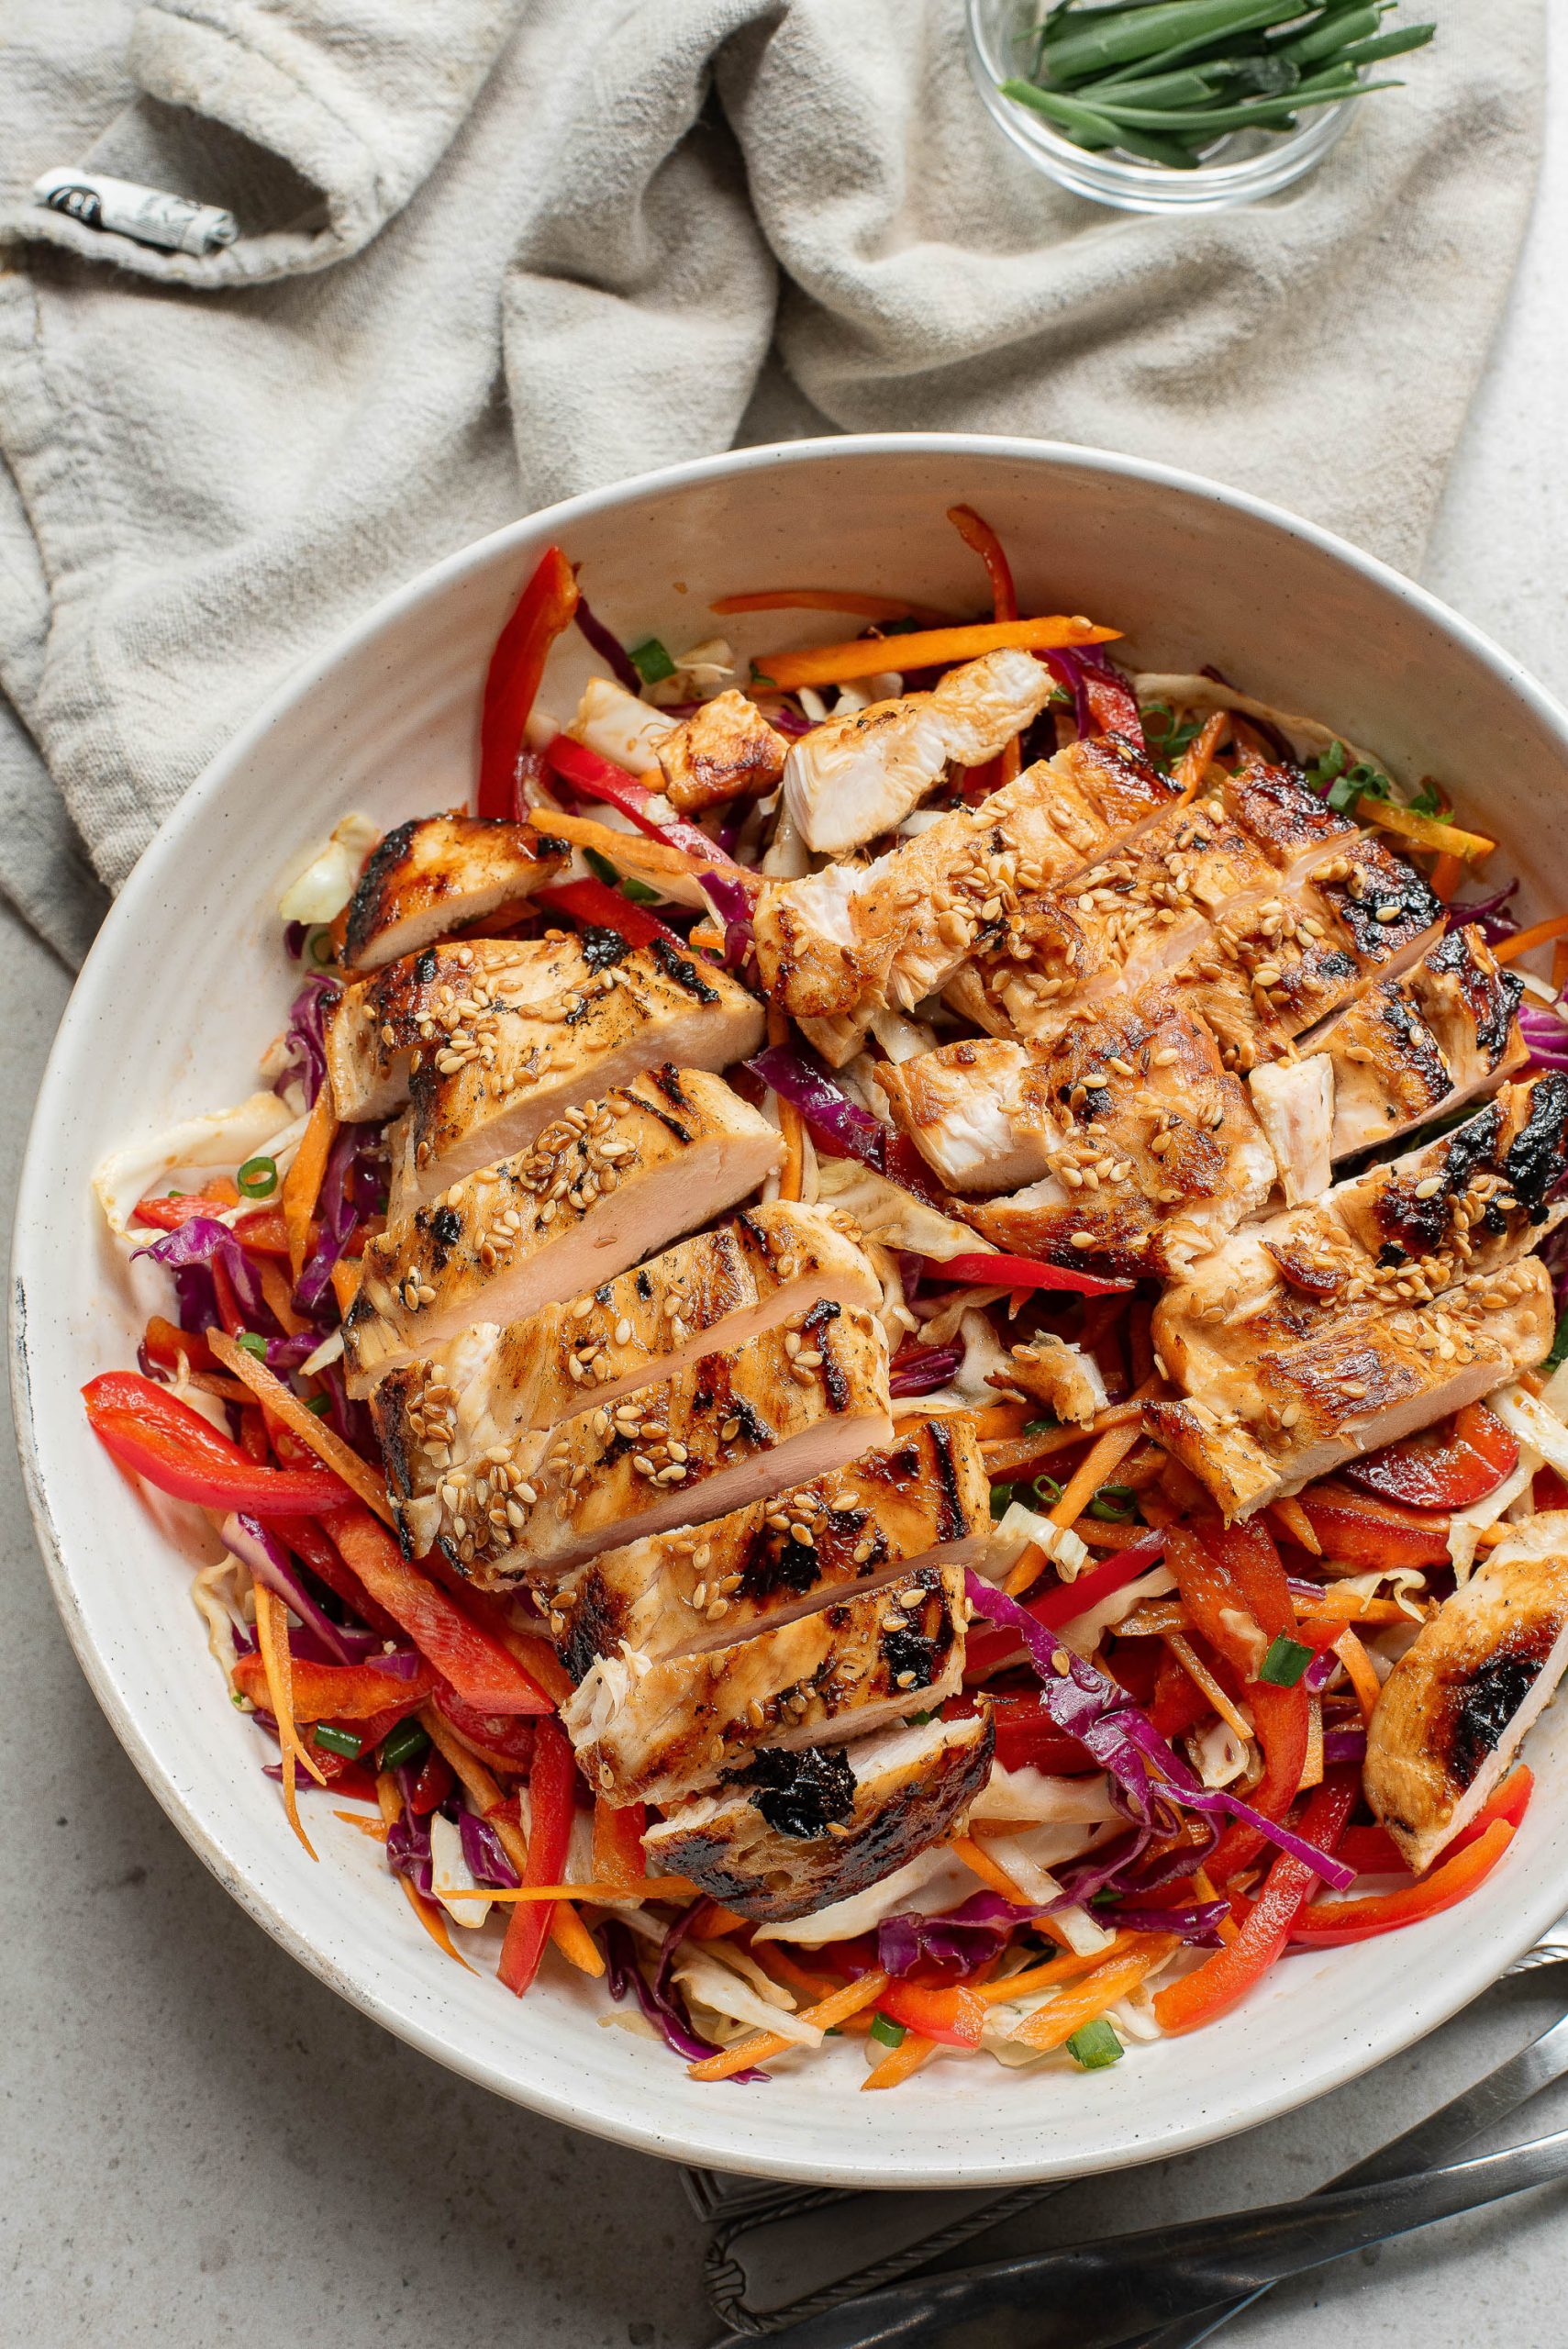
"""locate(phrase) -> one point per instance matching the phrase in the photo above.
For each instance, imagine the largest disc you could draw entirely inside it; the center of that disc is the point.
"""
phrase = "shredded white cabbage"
(1013, 1534)
(217, 1143)
(1086, 1632)
(713, 1985)
(617, 725)
(896, 1216)
(448, 1866)
(321, 890)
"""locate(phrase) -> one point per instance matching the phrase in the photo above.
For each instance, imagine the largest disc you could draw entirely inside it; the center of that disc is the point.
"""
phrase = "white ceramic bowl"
(187, 983)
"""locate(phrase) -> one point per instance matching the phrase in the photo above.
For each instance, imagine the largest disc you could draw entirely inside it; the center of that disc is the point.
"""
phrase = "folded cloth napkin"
(495, 251)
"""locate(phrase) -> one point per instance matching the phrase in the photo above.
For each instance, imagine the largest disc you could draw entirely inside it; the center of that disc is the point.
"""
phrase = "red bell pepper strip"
(1061, 1601)
(551, 1795)
(433, 1785)
(1327, 1924)
(1225, 1977)
(512, 683)
(1371, 1851)
(1028, 1739)
(506, 1738)
(1113, 705)
(345, 1692)
(1368, 1533)
(1018, 1272)
(481, 1671)
(150, 1431)
(592, 777)
(602, 908)
(265, 1234)
(305, 1538)
(168, 1215)
(1440, 1468)
(954, 2015)
(1179, 1703)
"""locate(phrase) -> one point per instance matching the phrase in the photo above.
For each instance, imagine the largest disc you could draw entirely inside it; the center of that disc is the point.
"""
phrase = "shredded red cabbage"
(959, 1942)
(1546, 1034)
(482, 1849)
(1490, 915)
(248, 1539)
(921, 1370)
(622, 1973)
(294, 935)
(189, 1252)
(851, 1132)
(407, 1847)
(1343, 1745)
(304, 1040)
(350, 1192)
(1155, 1787)
(1199, 1923)
(731, 901)
(790, 722)
(607, 645)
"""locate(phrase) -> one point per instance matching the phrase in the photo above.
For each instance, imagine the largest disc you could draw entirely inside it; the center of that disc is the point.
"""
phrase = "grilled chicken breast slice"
(725, 751)
(765, 1267)
(601, 1188)
(804, 1829)
(1293, 1101)
(924, 1501)
(860, 775)
(1456, 1705)
(429, 877)
(1365, 1376)
(647, 1732)
(1422, 1042)
(841, 943)
(1068, 1381)
(1144, 1145)
(731, 1428)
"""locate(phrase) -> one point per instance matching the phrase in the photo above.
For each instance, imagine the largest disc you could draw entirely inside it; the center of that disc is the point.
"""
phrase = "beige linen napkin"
(494, 251)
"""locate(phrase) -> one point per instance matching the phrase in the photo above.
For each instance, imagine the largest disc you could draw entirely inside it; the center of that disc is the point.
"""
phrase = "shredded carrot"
(272, 1638)
(1294, 1521)
(1065, 1969)
(376, 1829)
(326, 1444)
(1447, 875)
(1198, 1672)
(1191, 769)
(981, 1863)
(841, 664)
(1010, 1457)
(833, 599)
(1424, 831)
(763, 2045)
(631, 850)
(618, 1842)
(1360, 1672)
(713, 1921)
(1203, 1884)
(1524, 941)
(1104, 1456)
(1051, 2026)
(427, 1911)
(978, 533)
(792, 1174)
(279, 1298)
(776, 1962)
(649, 1887)
(538, 1660)
(346, 1273)
(567, 1930)
(1000, 1419)
(301, 1184)
(1351, 1606)
(899, 2062)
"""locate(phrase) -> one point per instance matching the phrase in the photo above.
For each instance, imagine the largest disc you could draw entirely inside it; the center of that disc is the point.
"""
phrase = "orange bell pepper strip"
(167, 1215)
(1326, 1924)
(551, 1793)
(484, 1672)
(618, 1842)
(840, 664)
(544, 608)
(165, 1344)
(1228, 1973)
(335, 1692)
(1366, 1533)
(150, 1431)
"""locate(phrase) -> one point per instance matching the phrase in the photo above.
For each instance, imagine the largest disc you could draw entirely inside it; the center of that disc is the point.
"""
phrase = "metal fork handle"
(1436, 2139)
(1103, 2295)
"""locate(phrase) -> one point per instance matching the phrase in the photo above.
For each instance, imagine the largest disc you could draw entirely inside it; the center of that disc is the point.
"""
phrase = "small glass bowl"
(1240, 167)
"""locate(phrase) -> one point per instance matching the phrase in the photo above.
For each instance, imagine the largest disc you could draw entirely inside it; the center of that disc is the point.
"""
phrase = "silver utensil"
(1102, 2295)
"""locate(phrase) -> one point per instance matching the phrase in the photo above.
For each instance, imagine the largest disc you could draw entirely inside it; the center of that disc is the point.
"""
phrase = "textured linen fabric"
(495, 251)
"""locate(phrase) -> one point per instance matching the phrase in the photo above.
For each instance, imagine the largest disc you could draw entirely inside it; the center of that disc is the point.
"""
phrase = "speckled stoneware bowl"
(187, 984)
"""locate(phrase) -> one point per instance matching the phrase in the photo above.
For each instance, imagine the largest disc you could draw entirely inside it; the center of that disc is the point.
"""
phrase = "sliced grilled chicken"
(841, 943)
(1418, 1045)
(1295, 1105)
(1068, 1381)
(1295, 829)
(806, 1829)
(647, 1732)
(610, 1183)
(860, 775)
(1456, 1705)
(731, 1428)
(1145, 1147)
(435, 873)
(924, 1501)
(725, 751)
(766, 1267)
(1258, 1426)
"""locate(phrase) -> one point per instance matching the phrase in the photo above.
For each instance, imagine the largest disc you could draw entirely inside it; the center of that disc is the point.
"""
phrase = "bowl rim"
(1475, 1966)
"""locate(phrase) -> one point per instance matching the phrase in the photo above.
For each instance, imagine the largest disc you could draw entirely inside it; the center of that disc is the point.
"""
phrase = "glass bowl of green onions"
(1171, 106)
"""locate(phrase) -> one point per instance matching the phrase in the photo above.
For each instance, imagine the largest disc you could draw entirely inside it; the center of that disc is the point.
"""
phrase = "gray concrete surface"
(201, 2145)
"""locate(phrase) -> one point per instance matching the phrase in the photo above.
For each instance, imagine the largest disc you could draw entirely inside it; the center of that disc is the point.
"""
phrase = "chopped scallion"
(1093, 2045)
(406, 1743)
(651, 662)
(320, 948)
(1559, 1345)
(1048, 1426)
(337, 1740)
(601, 867)
(1285, 1662)
(1001, 1499)
(258, 1178)
(319, 1404)
(1047, 1491)
(1118, 1504)
(885, 2032)
(250, 1342)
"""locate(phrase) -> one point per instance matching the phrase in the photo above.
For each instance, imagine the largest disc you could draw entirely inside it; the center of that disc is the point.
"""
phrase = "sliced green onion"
(1093, 2045)
(319, 1404)
(1048, 1426)
(258, 1178)
(338, 1741)
(1559, 1345)
(651, 662)
(406, 1743)
(1426, 803)
(1047, 1491)
(320, 948)
(1115, 1503)
(250, 1342)
(885, 2032)
(1285, 1662)
(637, 891)
(1001, 1499)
